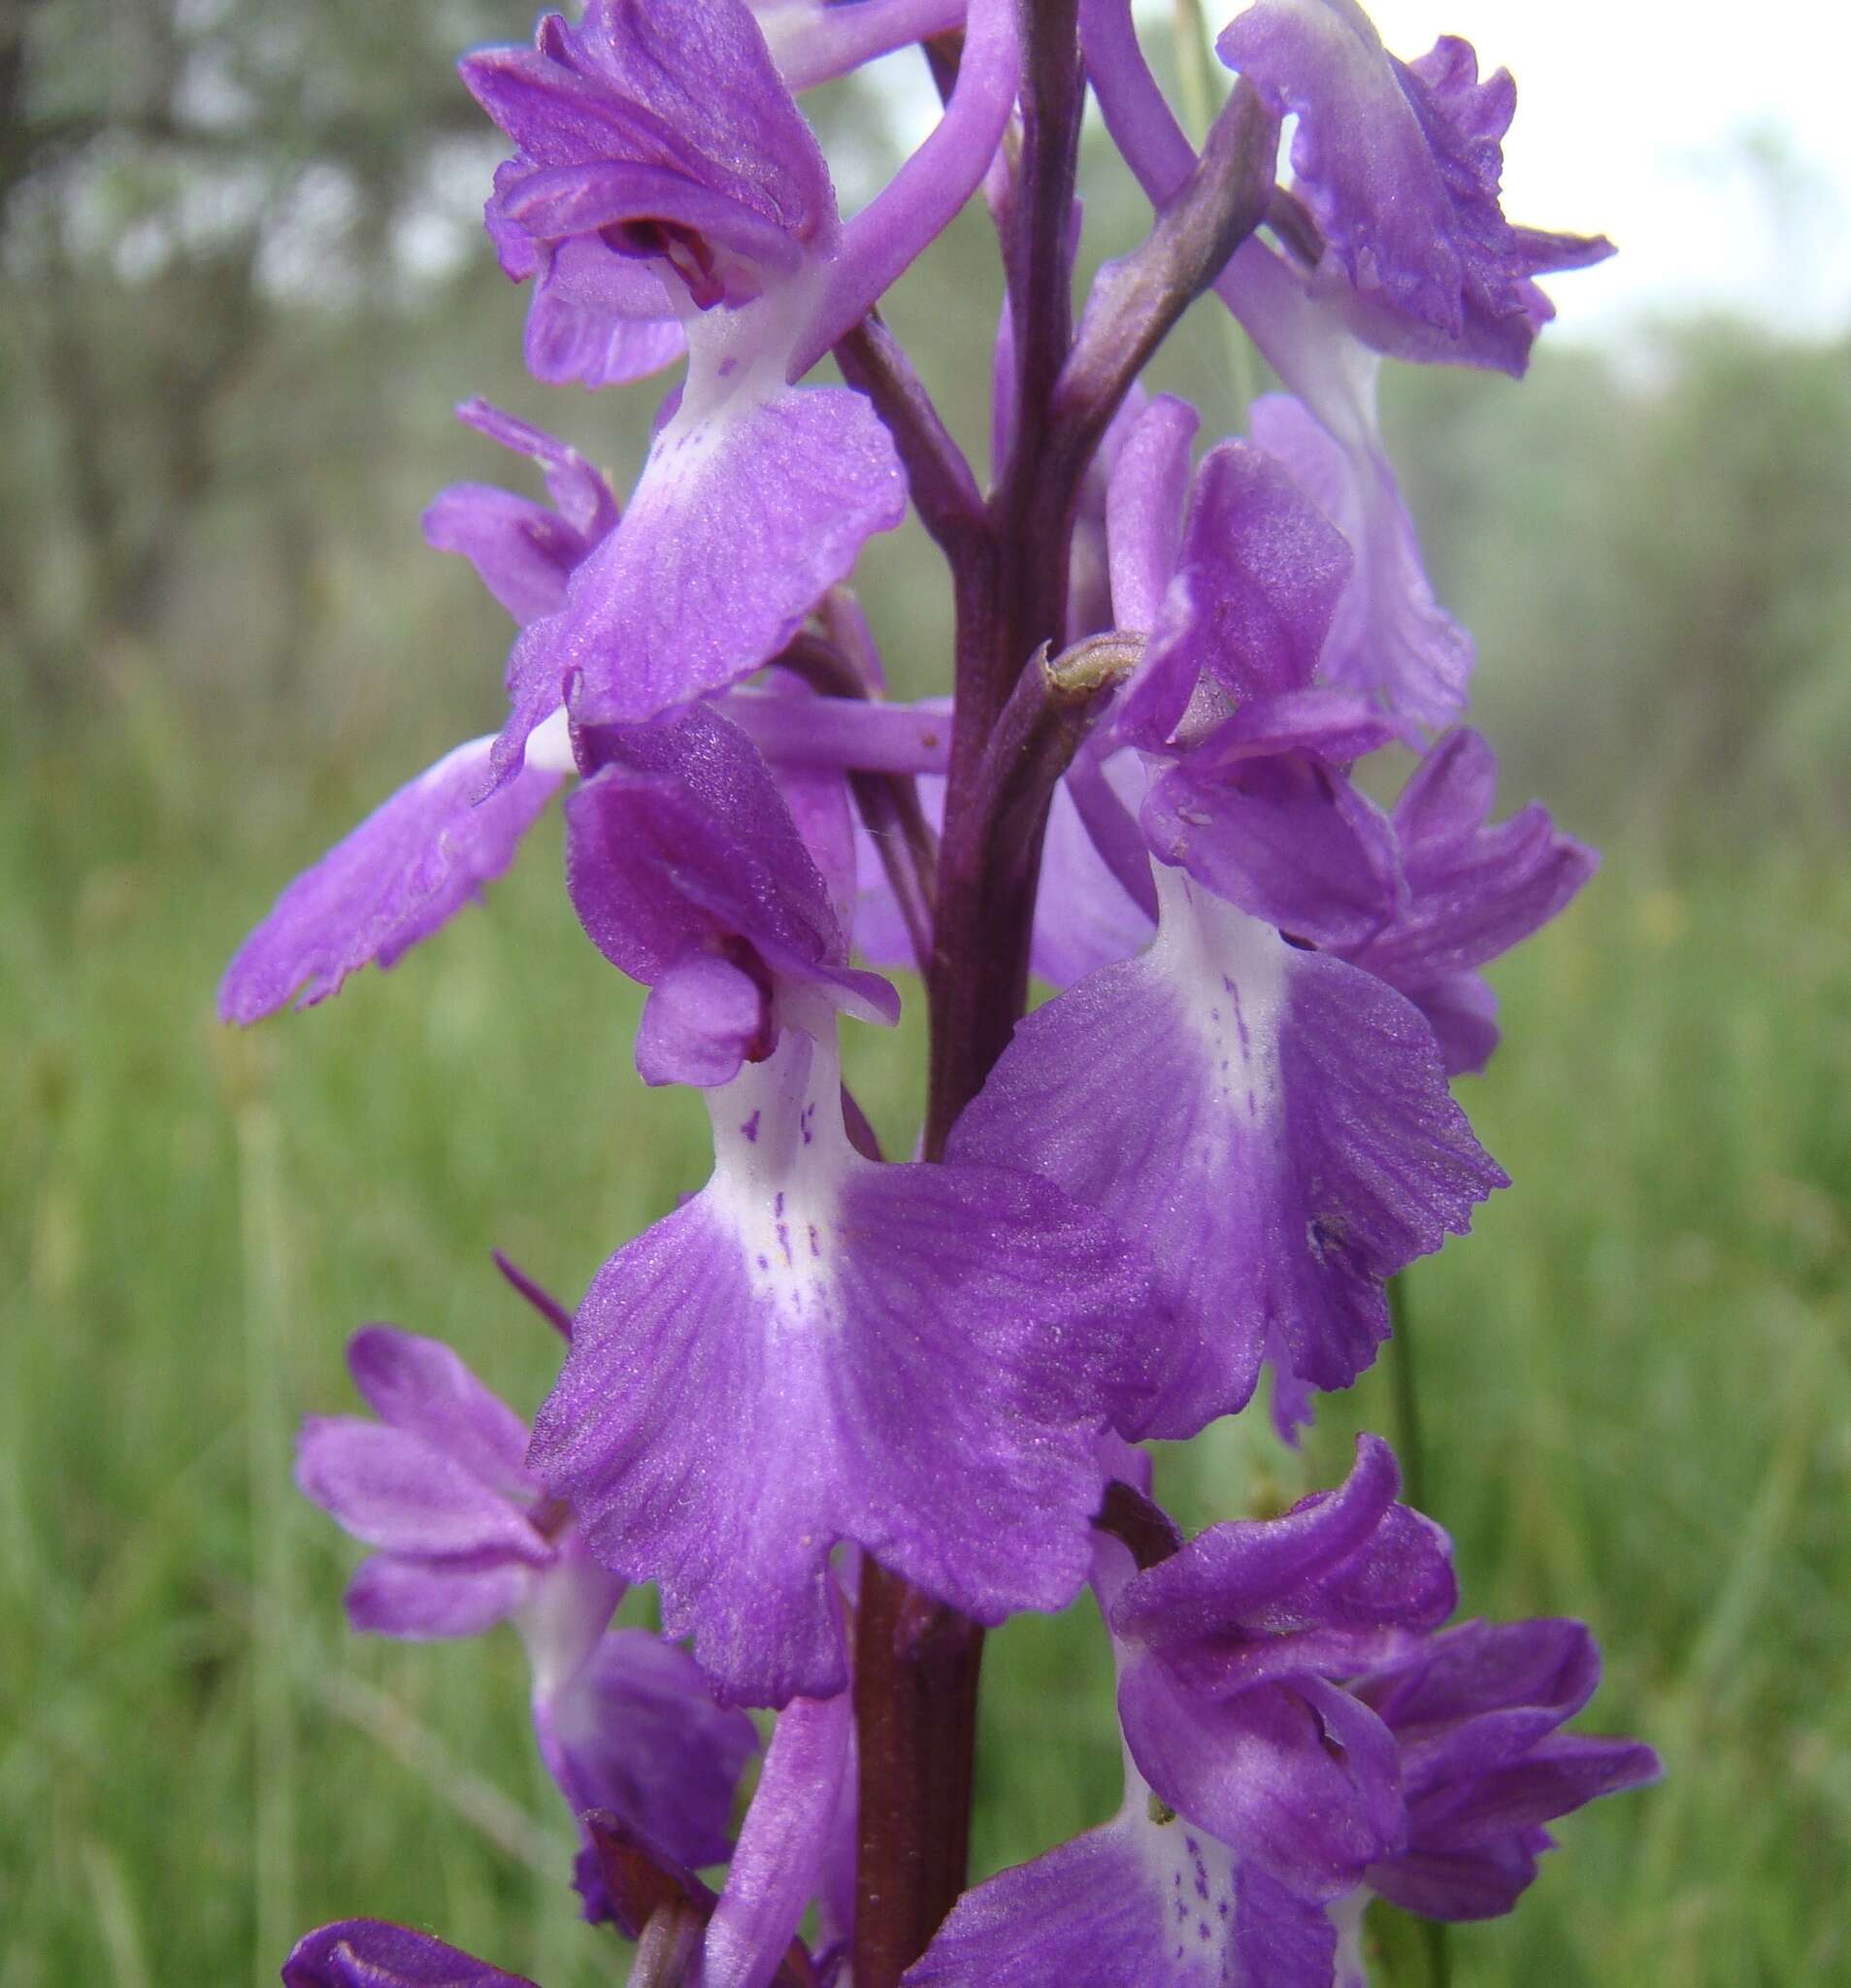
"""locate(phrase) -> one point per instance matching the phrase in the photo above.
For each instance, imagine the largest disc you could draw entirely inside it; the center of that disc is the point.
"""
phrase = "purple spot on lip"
(783, 1235)
(777, 1206)
(750, 1128)
(764, 1263)
(815, 1248)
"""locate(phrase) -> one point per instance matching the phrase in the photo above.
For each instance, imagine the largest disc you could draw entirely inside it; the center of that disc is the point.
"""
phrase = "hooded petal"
(370, 1953)
(635, 1730)
(1350, 1558)
(406, 870)
(1271, 1124)
(1302, 1781)
(1283, 836)
(681, 845)
(818, 1348)
(686, 86)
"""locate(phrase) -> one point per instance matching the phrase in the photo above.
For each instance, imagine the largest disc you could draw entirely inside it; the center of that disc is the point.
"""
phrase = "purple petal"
(1463, 1013)
(682, 842)
(1285, 838)
(1280, 1941)
(416, 1601)
(1302, 1781)
(1265, 569)
(1479, 1667)
(1388, 635)
(1350, 1558)
(421, 1386)
(598, 320)
(635, 1730)
(782, 1842)
(404, 870)
(818, 1348)
(1272, 1124)
(393, 1490)
(688, 83)
(1335, 726)
(579, 491)
(602, 199)
(1473, 891)
(1482, 1883)
(1084, 917)
(1401, 164)
(369, 1953)
(1562, 1774)
(1117, 1907)
(524, 552)
(746, 514)
(703, 1019)
(1144, 510)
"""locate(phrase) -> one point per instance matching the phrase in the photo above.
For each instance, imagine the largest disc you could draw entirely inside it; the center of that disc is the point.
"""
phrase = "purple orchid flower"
(1400, 165)
(1298, 1739)
(816, 1348)
(1228, 1652)
(1257, 809)
(659, 147)
(466, 1537)
(1272, 1120)
(842, 1411)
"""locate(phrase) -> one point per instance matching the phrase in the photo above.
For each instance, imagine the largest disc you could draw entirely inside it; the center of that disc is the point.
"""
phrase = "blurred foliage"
(243, 285)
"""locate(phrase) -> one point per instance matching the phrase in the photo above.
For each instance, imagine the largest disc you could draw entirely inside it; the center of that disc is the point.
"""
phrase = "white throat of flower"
(781, 1158)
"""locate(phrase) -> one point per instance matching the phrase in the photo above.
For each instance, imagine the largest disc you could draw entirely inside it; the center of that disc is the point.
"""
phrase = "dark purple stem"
(1150, 1534)
(917, 1661)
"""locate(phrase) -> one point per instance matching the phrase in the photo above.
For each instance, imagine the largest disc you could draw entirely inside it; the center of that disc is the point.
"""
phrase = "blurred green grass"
(1635, 1386)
